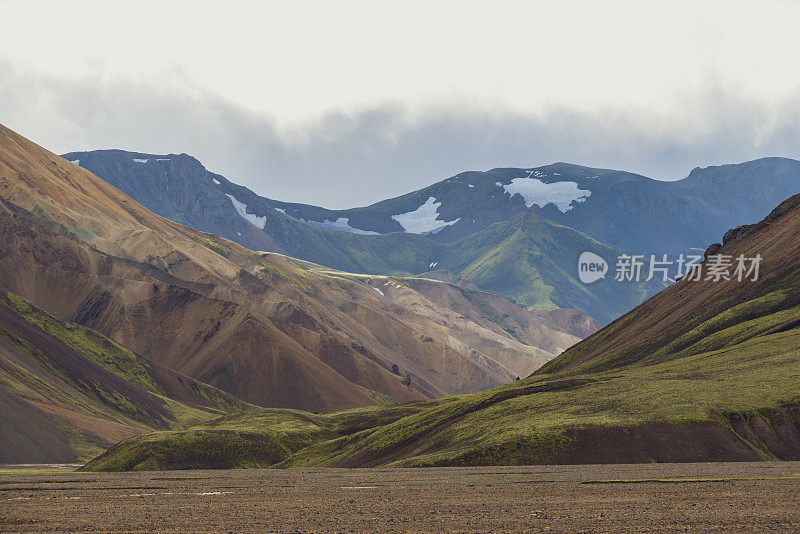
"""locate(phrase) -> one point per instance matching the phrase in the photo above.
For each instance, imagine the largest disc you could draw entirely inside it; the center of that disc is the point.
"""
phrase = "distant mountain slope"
(260, 326)
(704, 371)
(516, 338)
(180, 188)
(623, 210)
(535, 260)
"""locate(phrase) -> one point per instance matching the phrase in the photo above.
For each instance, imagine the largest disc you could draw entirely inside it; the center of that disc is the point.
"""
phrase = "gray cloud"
(343, 160)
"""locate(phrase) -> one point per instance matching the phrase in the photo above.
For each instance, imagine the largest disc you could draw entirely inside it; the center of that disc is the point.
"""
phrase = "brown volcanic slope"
(258, 326)
(703, 371)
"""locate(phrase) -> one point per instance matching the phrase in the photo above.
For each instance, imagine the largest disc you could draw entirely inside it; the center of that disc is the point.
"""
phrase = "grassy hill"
(526, 258)
(738, 404)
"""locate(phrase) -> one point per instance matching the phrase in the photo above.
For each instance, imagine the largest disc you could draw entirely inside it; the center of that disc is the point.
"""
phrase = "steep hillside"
(704, 371)
(517, 338)
(174, 322)
(691, 317)
(68, 392)
(259, 326)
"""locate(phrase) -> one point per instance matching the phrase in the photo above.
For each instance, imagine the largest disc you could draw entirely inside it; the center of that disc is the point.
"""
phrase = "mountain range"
(707, 370)
(187, 349)
(517, 232)
(113, 314)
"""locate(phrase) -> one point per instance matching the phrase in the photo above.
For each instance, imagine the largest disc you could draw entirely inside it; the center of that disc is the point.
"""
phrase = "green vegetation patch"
(378, 396)
(207, 449)
(258, 438)
(212, 245)
(94, 346)
(756, 375)
(297, 276)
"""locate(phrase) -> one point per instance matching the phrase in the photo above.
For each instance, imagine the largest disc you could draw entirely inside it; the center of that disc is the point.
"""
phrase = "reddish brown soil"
(731, 497)
(29, 433)
(104, 429)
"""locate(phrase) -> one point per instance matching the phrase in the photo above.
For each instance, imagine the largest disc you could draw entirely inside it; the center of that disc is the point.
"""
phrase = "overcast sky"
(347, 103)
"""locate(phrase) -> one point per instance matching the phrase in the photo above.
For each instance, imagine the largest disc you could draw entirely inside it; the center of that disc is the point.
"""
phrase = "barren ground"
(655, 497)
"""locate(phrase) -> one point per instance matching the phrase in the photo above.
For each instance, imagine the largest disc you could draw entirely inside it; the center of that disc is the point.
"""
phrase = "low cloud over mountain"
(356, 157)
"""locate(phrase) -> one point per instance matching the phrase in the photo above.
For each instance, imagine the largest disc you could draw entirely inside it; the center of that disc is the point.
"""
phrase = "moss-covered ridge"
(94, 346)
(254, 438)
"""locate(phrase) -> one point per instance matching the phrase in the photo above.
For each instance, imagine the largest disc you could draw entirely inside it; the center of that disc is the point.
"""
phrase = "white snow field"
(241, 209)
(535, 191)
(423, 220)
(342, 224)
(138, 160)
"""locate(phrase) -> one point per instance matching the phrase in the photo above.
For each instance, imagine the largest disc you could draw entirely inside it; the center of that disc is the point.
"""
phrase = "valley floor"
(598, 498)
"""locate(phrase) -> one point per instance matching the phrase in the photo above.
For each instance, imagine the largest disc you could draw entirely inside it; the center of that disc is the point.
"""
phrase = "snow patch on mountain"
(216, 181)
(138, 160)
(342, 224)
(241, 209)
(424, 219)
(535, 191)
(76, 161)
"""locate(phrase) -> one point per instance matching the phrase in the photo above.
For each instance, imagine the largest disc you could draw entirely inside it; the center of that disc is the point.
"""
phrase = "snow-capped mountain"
(517, 231)
(624, 210)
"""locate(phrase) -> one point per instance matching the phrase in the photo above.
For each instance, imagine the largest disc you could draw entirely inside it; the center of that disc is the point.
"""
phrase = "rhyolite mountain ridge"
(111, 311)
(518, 232)
(703, 371)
